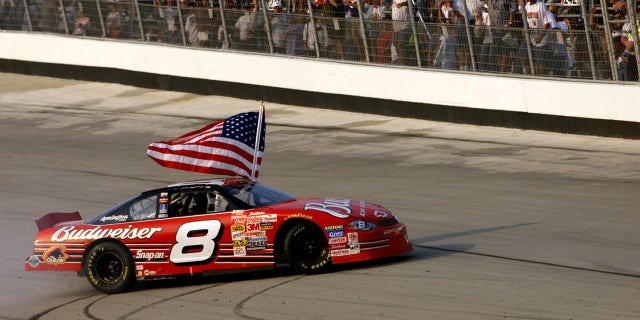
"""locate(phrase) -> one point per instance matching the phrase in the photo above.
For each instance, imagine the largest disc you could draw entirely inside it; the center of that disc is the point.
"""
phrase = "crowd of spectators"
(498, 36)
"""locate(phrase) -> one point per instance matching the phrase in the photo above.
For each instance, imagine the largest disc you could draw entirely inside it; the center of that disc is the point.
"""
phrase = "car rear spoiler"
(51, 219)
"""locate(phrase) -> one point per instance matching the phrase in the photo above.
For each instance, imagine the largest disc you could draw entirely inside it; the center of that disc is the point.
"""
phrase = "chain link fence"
(591, 40)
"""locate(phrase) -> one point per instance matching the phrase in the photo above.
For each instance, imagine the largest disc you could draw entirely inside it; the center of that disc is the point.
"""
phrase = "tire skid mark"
(237, 309)
(87, 312)
(137, 310)
(45, 312)
(551, 264)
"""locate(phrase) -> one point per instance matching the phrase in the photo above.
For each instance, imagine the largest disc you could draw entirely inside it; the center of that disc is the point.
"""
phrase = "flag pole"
(256, 148)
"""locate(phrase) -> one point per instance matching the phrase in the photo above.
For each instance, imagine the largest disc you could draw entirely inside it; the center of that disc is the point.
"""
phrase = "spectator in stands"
(171, 33)
(373, 16)
(352, 25)
(401, 31)
(627, 60)
(382, 48)
(293, 37)
(540, 22)
(334, 14)
(298, 6)
(617, 16)
(82, 24)
(446, 54)
(509, 39)
(68, 14)
(562, 48)
(310, 41)
(484, 33)
(47, 16)
(114, 20)
(247, 24)
(191, 27)
(278, 27)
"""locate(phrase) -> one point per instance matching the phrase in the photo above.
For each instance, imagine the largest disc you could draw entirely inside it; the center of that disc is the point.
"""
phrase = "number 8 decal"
(197, 234)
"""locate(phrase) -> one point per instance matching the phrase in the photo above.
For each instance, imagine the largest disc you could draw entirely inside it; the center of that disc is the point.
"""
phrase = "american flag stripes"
(226, 147)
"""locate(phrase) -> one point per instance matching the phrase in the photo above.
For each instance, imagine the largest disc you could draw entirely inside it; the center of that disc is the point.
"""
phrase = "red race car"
(218, 225)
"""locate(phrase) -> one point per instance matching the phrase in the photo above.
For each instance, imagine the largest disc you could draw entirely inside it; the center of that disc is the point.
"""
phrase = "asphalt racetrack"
(506, 224)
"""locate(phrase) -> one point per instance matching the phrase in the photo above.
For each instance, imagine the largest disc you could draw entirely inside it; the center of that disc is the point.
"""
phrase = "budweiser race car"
(218, 225)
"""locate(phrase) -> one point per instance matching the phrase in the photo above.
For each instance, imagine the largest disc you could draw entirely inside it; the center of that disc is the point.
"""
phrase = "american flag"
(226, 147)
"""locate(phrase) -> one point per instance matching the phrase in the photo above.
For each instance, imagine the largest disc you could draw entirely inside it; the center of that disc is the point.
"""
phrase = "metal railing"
(492, 40)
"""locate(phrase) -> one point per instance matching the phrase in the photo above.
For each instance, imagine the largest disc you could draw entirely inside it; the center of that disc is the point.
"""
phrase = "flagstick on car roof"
(257, 142)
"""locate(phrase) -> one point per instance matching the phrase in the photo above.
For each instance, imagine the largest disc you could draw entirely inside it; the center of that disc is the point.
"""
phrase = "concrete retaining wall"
(608, 109)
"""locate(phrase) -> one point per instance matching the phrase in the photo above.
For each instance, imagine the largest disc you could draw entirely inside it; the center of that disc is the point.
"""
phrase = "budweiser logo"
(71, 233)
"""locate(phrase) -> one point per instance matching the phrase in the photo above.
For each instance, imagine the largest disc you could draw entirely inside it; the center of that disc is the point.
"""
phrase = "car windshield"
(256, 195)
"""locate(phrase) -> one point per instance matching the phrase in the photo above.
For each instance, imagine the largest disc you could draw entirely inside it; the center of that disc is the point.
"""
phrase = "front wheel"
(307, 248)
(109, 268)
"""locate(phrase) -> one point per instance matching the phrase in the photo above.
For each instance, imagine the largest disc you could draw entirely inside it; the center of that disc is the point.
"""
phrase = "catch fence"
(588, 42)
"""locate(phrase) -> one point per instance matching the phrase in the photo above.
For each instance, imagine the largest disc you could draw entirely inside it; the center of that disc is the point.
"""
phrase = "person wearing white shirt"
(401, 31)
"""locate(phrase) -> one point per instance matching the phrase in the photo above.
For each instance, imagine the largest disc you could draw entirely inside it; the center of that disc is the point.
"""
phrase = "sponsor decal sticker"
(339, 252)
(266, 226)
(34, 261)
(118, 218)
(253, 226)
(164, 208)
(237, 228)
(240, 243)
(299, 215)
(149, 255)
(381, 214)
(164, 200)
(71, 233)
(239, 251)
(335, 231)
(55, 255)
(257, 243)
(339, 208)
(394, 230)
(354, 244)
(337, 240)
(237, 235)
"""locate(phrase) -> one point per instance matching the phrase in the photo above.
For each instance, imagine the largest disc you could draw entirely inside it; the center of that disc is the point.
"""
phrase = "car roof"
(209, 182)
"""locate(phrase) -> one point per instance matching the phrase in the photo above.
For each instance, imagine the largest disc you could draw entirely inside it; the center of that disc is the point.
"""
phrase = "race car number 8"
(195, 235)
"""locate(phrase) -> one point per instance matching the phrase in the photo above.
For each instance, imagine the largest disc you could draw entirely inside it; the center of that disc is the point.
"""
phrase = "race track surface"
(506, 224)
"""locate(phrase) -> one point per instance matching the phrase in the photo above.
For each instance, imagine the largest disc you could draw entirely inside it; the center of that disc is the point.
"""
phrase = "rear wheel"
(307, 248)
(109, 268)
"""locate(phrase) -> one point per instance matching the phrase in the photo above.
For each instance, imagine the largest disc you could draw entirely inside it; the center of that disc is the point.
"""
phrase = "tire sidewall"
(298, 232)
(123, 282)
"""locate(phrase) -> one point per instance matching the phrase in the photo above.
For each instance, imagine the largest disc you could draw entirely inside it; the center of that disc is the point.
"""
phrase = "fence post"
(26, 14)
(64, 17)
(607, 31)
(184, 38)
(139, 16)
(363, 33)
(592, 60)
(104, 32)
(267, 25)
(224, 24)
(527, 37)
(633, 16)
(469, 36)
(313, 26)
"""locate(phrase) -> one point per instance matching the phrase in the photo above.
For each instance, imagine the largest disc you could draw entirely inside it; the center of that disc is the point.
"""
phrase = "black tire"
(109, 268)
(307, 248)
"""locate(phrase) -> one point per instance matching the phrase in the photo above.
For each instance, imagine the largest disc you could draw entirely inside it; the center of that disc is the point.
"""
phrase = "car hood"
(338, 208)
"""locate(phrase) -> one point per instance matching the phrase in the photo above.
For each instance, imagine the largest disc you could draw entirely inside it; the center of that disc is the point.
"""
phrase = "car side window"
(144, 208)
(195, 203)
